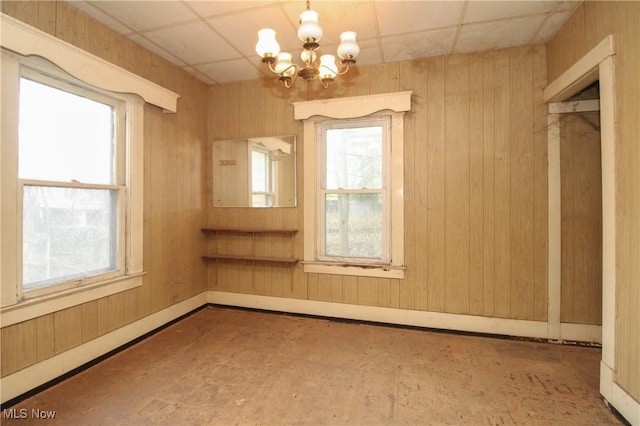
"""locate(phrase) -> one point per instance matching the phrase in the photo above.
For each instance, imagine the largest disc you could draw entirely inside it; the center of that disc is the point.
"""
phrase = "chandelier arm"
(292, 81)
(294, 66)
(271, 68)
(343, 70)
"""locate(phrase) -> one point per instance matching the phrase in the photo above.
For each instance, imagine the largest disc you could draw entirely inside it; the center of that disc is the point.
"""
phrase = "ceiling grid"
(215, 40)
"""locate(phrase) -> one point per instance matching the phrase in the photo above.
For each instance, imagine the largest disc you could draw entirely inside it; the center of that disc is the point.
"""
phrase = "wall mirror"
(255, 172)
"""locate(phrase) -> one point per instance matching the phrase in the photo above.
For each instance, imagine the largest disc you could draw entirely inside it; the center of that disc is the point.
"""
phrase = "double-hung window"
(71, 173)
(352, 195)
(354, 184)
(71, 184)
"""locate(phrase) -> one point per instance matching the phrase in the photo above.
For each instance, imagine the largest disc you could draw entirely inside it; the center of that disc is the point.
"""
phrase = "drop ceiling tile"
(207, 9)
(194, 43)
(481, 11)
(369, 52)
(396, 17)
(551, 26)
(145, 15)
(418, 45)
(336, 17)
(251, 22)
(497, 35)
(229, 71)
(199, 75)
(136, 38)
(102, 17)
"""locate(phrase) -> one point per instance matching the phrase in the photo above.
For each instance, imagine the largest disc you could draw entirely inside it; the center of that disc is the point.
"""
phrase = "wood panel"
(502, 174)
(581, 218)
(433, 160)
(522, 176)
(590, 23)
(489, 179)
(475, 166)
(174, 185)
(416, 221)
(540, 179)
(456, 165)
(476, 188)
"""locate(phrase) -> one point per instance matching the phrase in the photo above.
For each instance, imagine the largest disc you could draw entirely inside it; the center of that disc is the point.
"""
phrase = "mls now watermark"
(23, 413)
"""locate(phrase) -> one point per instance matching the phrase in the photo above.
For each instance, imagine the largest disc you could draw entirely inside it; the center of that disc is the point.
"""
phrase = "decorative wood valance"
(356, 106)
(26, 40)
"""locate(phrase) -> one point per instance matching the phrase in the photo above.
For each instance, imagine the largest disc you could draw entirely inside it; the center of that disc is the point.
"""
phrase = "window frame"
(40, 75)
(24, 41)
(393, 105)
(19, 305)
(322, 126)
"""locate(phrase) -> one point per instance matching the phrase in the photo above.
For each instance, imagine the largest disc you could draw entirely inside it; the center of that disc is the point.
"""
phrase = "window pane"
(68, 233)
(63, 136)
(353, 225)
(262, 200)
(259, 177)
(354, 158)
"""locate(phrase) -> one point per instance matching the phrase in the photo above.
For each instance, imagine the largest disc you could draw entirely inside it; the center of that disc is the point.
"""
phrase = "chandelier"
(309, 34)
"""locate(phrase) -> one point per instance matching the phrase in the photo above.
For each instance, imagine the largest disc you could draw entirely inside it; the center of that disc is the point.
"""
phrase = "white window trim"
(394, 105)
(26, 41)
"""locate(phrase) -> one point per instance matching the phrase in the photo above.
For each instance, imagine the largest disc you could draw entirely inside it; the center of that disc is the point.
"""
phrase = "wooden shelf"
(248, 231)
(250, 258)
(214, 257)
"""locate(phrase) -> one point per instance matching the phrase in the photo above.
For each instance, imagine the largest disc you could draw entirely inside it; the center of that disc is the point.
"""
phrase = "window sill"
(375, 271)
(32, 308)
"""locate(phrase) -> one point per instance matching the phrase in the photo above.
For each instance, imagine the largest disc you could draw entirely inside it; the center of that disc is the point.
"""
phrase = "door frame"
(597, 64)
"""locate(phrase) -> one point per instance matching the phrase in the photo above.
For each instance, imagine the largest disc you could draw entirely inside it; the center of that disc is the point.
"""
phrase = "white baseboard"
(624, 403)
(468, 323)
(38, 374)
(581, 332)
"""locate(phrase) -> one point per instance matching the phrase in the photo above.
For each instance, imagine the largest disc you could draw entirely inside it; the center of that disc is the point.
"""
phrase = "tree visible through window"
(353, 192)
(354, 184)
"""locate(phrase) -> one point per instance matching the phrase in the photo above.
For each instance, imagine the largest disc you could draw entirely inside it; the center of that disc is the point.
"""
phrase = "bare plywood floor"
(226, 366)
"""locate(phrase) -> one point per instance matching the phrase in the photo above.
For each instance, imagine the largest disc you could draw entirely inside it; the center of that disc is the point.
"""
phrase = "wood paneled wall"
(173, 200)
(589, 24)
(581, 218)
(475, 185)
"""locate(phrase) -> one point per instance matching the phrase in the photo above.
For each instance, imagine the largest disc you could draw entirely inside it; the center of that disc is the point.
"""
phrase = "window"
(353, 165)
(68, 188)
(70, 213)
(70, 193)
(352, 196)
(70, 143)
(261, 177)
